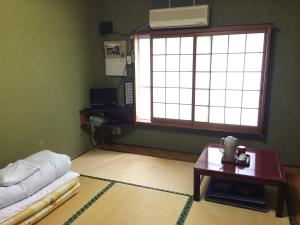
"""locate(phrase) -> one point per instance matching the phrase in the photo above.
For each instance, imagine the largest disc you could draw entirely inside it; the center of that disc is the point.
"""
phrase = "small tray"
(236, 162)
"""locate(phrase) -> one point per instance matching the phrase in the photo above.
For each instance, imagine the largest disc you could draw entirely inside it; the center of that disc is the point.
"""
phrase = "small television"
(103, 97)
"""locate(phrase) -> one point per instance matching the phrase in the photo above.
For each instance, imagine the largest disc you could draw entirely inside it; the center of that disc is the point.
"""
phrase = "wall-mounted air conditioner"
(191, 16)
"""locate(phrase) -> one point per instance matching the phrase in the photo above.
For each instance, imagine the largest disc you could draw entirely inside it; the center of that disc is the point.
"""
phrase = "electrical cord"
(93, 130)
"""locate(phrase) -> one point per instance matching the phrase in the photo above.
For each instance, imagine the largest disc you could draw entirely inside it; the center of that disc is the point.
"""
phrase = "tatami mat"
(125, 204)
(148, 171)
(130, 205)
(89, 188)
(209, 213)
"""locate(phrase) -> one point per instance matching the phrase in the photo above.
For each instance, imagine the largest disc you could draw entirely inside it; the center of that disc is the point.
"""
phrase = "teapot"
(230, 144)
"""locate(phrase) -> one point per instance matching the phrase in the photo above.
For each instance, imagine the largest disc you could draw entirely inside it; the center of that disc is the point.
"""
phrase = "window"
(212, 78)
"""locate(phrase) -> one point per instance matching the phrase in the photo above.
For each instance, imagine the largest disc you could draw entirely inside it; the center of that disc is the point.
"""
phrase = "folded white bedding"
(15, 172)
(14, 209)
(52, 165)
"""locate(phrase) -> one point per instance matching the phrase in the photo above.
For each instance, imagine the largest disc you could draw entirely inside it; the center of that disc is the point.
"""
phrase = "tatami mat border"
(185, 211)
(183, 215)
(137, 185)
(89, 203)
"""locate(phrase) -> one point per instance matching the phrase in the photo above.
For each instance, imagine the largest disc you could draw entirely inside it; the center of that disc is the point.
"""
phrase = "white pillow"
(16, 172)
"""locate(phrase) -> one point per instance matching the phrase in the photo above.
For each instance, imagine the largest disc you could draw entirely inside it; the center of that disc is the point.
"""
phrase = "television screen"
(103, 97)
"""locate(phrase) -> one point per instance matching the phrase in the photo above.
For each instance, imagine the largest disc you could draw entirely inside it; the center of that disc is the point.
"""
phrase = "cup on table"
(240, 149)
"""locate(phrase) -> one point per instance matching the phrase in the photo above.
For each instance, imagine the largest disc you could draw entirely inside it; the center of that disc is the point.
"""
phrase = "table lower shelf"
(238, 194)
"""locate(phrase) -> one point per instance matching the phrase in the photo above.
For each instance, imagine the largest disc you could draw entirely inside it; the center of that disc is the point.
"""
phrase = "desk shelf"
(113, 116)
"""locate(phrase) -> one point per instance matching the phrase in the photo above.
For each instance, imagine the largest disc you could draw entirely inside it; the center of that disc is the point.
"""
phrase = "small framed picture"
(114, 49)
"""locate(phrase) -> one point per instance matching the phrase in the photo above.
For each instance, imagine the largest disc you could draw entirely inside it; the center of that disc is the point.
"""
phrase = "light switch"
(128, 58)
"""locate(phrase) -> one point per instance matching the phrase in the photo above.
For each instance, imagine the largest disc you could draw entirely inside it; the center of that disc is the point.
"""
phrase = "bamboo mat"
(137, 169)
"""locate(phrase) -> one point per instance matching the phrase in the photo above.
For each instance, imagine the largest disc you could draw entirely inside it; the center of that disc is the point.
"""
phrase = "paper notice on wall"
(115, 66)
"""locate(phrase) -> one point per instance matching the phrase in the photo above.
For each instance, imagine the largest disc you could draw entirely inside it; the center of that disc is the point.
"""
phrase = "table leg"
(196, 186)
(280, 199)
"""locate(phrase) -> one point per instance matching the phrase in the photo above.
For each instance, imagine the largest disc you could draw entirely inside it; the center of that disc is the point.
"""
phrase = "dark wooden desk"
(114, 116)
(117, 121)
(265, 168)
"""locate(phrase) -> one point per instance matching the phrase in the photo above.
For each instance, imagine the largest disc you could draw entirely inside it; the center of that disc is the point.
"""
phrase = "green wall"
(282, 118)
(46, 70)
(51, 53)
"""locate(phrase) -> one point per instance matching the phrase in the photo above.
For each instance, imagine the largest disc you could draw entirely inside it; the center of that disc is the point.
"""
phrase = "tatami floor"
(137, 169)
(169, 175)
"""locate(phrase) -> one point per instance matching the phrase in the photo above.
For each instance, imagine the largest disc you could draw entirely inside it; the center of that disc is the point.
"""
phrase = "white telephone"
(96, 120)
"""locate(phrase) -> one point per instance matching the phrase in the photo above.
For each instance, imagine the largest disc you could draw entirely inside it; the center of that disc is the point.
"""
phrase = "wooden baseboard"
(76, 156)
(188, 157)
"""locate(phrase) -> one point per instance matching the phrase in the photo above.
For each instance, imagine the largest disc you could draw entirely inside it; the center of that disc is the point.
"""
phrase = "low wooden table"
(265, 168)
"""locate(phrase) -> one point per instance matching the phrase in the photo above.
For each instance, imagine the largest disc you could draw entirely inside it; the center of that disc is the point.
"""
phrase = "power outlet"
(116, 130)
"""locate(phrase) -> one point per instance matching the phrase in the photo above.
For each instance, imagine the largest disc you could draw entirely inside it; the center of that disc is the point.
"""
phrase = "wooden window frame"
(226, 30)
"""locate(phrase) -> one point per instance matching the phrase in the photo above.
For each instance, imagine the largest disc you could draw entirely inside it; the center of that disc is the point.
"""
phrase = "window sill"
(245, 130)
